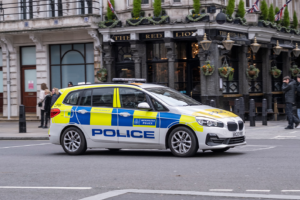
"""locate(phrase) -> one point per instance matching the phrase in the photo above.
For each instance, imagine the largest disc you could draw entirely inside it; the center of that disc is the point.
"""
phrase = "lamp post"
(255, 46)
(277, 49)
(205, 44)
(228, 43)
(296, 51)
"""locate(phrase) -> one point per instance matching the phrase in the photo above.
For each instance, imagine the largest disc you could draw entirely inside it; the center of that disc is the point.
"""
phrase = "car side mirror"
(144, 106)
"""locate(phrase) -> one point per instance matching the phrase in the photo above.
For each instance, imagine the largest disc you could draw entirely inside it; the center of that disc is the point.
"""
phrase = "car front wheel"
(73, 141)
(183, 142)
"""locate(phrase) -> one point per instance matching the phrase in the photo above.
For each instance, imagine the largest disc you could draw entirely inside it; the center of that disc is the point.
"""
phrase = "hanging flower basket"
(207, 69)
(226, 72)
(275, 72)
(252, 72)
(197, 18)
(102, 74)
(294, 70)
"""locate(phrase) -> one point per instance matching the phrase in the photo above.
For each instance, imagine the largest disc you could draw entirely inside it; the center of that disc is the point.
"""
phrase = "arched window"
(71, 63)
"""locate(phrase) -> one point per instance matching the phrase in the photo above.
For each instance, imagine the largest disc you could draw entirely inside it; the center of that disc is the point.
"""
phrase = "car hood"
(205, 111)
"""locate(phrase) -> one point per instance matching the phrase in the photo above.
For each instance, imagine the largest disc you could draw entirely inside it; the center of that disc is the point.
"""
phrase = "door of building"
(28, 88)
(1, 91)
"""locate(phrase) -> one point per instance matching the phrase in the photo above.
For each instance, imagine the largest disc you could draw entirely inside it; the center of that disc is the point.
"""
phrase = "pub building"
(173, 55)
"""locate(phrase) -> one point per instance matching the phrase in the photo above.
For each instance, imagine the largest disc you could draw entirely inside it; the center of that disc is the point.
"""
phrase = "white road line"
(115, 193)
(294, 132)
(283, 137)
(290, 190)
(57, 188)
(29, 145)
(257, 190)
(221, 190)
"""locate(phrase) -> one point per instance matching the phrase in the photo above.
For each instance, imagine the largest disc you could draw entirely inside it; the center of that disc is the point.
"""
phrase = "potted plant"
(252, 72)
(207, 69)
(158, 18)
(275, 72)
(295, 24)
(285, 21)
(229, 10)
(240, 14)
(294, 70)
(196, 16)
(264, 14)
(111, 20)
(226, 72)
(102, 74)
(138, 16)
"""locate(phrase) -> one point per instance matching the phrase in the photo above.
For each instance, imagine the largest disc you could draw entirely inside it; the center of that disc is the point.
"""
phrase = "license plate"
(237, 134)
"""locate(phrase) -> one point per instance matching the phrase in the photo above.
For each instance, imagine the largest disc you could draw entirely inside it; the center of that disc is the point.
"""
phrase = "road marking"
(29, 145)
(257, 190)
(283, 137)
(115, 193)
(294, 132)
(290, 190)
(258, 147)
(57, 188)
(221, 190)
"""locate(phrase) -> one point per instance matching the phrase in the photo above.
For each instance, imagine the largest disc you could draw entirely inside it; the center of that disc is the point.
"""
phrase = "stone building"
(171, 54)
(46, 41)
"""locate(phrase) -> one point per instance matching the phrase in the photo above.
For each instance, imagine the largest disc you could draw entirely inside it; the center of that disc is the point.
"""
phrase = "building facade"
(49, 41)
(170, 54)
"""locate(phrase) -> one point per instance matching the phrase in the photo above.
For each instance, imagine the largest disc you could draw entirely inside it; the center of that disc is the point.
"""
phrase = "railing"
(31, 9)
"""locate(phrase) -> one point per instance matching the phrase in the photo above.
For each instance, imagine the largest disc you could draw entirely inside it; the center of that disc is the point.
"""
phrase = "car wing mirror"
(144, 106)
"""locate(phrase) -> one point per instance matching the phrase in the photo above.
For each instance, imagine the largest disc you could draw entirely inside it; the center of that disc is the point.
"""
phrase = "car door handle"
(82, 111)
(125, 114)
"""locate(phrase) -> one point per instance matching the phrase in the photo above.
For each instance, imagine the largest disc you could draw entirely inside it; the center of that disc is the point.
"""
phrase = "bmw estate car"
(140, 116)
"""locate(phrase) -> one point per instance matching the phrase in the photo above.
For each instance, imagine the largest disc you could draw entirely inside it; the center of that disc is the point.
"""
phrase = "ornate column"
(97, 52)
(170, 46)
(243, 82)
(108, 61)
(267, 80)
(136, 58)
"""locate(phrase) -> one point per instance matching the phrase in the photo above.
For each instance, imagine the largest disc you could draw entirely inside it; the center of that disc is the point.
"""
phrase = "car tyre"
(73, 141)
(219, 150)
(183, 142)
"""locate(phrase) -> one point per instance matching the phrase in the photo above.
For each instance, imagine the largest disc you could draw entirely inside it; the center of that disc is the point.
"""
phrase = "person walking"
(289, 87)
(41, 103)
(298, 96)
(47, 107)
(55, 95)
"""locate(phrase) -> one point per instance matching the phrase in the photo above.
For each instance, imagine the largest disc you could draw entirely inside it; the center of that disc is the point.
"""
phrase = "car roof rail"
(129, 80)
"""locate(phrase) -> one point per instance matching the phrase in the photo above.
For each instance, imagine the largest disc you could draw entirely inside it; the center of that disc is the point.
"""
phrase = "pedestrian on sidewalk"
(47, 107)
(289, 87)
(55, 95)
(298, 95)
(41, 103)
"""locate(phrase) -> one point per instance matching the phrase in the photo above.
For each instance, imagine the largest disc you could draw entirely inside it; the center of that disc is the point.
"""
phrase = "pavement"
(263, 169)
(274, 130)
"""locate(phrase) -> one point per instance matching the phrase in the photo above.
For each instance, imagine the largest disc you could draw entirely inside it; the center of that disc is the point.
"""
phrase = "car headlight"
(209, 122)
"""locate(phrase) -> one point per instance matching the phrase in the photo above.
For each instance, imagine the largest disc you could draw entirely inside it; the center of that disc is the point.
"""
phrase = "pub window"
(156, 51)
(255, 86)
(71, 63)
(124, 63)
(277, 82)
(55, 8)
(232, 86)
(145, 1)
(180, 50)
(26, 9)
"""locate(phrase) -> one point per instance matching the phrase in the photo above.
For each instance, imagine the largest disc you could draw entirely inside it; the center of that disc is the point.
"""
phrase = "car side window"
(103, 97)
(130, 98)
(72, 98)
(86, 98)
(157, 105)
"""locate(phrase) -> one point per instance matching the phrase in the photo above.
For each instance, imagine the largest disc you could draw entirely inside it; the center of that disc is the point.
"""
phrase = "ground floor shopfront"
(173, 56)
(54, 58)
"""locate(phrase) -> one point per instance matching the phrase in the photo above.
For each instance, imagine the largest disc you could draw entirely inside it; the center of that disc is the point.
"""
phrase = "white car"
(140, 116)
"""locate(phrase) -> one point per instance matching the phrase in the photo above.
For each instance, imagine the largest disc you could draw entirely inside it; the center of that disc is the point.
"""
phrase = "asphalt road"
(267, 165)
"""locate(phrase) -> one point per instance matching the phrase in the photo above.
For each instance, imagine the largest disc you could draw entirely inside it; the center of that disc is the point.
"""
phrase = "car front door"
(136, 126)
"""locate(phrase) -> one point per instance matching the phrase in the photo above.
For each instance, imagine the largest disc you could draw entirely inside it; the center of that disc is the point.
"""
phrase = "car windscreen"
(172, 97)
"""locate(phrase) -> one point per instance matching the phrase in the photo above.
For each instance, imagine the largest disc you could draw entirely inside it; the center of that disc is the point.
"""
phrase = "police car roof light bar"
(129, 80)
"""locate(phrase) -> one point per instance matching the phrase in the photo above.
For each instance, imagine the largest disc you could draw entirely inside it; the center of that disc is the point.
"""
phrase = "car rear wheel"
(219, 150)
(73, 141)
(183, 142)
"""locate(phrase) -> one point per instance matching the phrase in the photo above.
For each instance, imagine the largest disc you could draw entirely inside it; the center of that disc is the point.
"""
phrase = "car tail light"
(54, 112)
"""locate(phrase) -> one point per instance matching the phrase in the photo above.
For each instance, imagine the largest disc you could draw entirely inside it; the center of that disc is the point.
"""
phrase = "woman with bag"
(47, 107)
(41, 103)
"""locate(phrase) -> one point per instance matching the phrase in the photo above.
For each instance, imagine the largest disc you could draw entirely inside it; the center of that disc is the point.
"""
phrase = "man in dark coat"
(289, 87)
(47, 107)
(298, 95)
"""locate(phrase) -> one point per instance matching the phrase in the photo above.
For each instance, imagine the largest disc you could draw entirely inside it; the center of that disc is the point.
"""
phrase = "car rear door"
(136, 126)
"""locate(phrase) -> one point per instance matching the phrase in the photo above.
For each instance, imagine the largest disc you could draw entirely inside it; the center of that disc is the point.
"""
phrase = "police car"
(140, 116)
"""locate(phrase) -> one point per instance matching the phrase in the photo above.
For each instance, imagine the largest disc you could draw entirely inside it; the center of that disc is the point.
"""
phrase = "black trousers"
(289, 113)
(43, 113)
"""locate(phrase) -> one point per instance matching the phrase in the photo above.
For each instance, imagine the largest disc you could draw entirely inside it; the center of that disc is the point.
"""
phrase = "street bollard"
(212, 103)
(252, 112)
(264, 112)
(236, 106)
(22, 119)
(242, 108)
